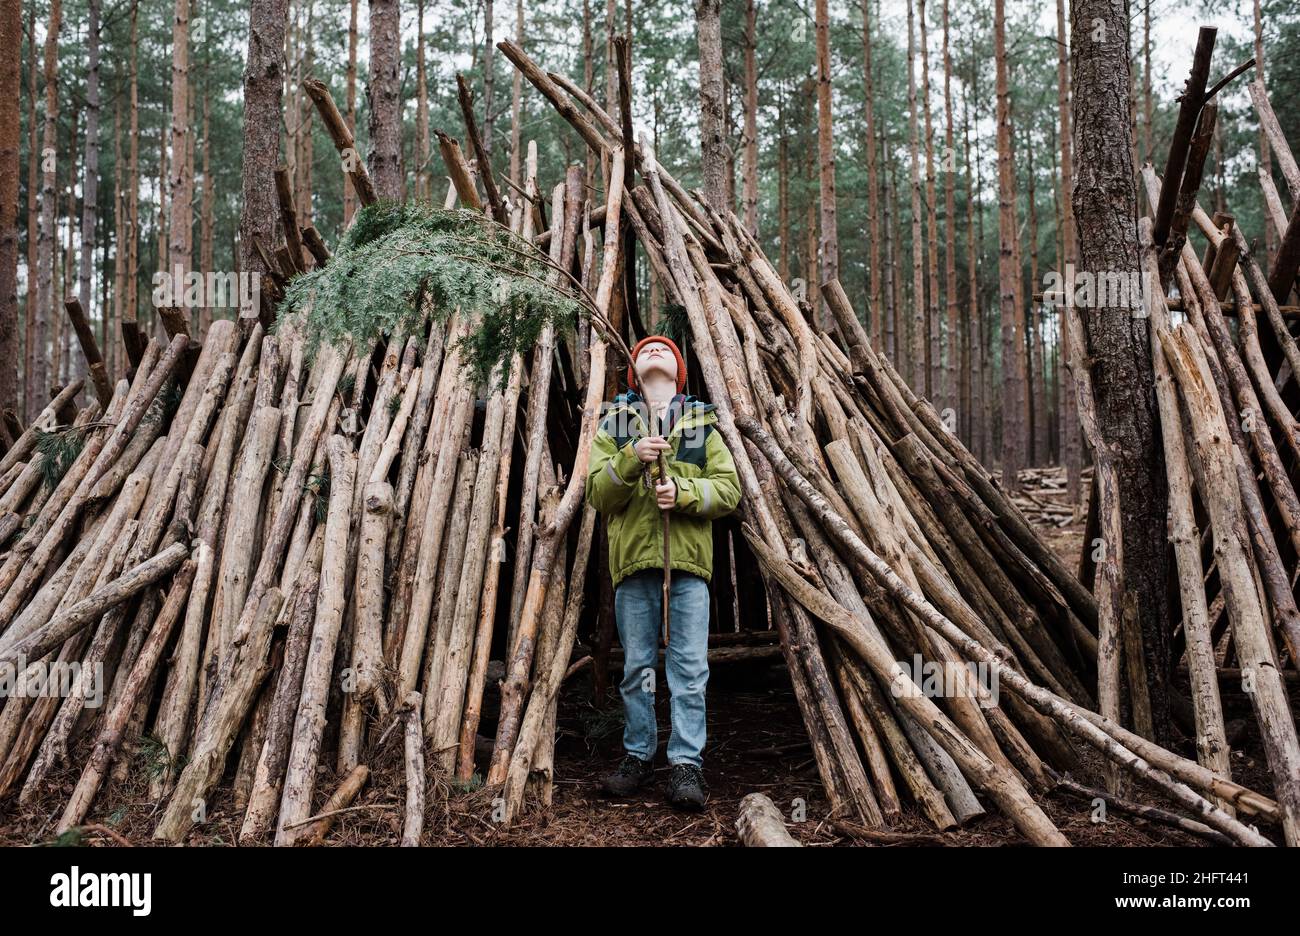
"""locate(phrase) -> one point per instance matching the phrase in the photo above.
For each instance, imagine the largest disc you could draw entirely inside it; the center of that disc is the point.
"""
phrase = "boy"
(701, 485)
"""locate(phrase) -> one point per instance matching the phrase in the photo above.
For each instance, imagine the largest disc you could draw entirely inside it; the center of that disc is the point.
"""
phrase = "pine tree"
(11, 37)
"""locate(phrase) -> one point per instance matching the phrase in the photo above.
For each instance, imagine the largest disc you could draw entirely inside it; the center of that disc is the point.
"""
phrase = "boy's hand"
(666, 494)
(649, 449)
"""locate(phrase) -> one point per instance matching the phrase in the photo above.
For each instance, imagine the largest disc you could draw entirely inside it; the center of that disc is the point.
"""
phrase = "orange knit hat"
(681, 362)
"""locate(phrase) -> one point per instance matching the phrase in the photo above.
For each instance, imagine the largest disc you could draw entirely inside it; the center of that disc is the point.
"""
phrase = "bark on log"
(759, 824)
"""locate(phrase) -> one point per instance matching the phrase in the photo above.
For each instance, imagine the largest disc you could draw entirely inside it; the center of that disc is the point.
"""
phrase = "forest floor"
(756, 744)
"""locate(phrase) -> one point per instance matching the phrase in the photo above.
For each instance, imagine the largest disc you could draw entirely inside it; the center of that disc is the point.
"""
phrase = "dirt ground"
(756, 744)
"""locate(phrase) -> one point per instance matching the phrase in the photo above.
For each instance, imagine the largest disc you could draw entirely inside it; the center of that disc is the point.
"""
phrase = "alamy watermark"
(945, 680)
(190, 289)
(1103, 289)
(52, 679)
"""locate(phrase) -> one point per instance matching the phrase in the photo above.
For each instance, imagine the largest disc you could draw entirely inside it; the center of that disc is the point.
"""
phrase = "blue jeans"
(638, 610)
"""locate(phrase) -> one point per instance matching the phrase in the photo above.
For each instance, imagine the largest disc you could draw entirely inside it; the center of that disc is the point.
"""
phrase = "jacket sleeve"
(612, 473)
(716, 492)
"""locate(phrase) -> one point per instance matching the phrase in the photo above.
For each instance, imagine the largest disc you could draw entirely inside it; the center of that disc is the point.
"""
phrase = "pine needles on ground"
(400, 264)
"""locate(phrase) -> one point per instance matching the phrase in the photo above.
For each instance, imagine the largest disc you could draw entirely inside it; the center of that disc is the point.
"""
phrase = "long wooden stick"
(513, 690)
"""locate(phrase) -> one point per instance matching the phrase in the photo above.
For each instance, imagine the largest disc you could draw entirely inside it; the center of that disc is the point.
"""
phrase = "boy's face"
(656, 358)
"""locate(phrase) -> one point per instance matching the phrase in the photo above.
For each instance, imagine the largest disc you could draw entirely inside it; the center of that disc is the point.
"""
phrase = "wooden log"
(232, 696)
(1250, 629)
(73, 492)
(289, 217)
(41, 724)
(999, 784)
(480, 154)
(329, 367)
(103, 562)
(111, 734)
(535, 420)
(759, 824)
(68, 622)
(436, 520)
(304, 754)
(367, 658)
(1268, 122)
(410, 498)
(451, 571)
(1080, 722)
(25, 444)
(1144, 811)
(443, 721)
(315, 245)
(1268, 304)
(50, 520)
(143, 441)
(99, 375)
(458, 169)
(338, 130)
(1110, 584)
(268, 777)
(542, 699)
(1212, 748)
(1077, 721)
(520, 663)
(244, 519)
(413, 759)
(314, 830)
(7, 478)
(1190, 103)
(476, 678)
(1198, 149)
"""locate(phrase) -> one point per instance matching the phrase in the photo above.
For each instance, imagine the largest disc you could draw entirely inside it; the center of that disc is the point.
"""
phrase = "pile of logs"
(1227, 398)
(293, 560)
(1043, 498)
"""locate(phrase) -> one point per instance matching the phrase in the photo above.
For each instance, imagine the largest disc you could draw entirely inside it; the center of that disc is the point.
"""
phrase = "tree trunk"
(973, 377)
(423, 175)
(713, 142)
(1037, 383)
(1271, 231)
(180, 187)
(1071, 442)
(90, 184)
(32, 401)
(382, 93)
(749, 170)
(874, 271)
(349, 192)
(39, 377)
(782, 193)
(830, 238)
(11, 37)
(934, 349)
(1118, 344)
(304, 113)
(917, 344)
(263, 93)
(207, 216)
(890, 317)
(489, 50)
(953, 394)
(517, 104)
(130, 322)
(1013, 346)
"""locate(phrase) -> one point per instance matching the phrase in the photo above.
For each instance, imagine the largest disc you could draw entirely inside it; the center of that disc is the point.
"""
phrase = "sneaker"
(632, 774)
(686, 787)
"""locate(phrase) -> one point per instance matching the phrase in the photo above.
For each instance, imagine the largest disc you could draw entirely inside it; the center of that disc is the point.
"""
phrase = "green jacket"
(699, 463)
